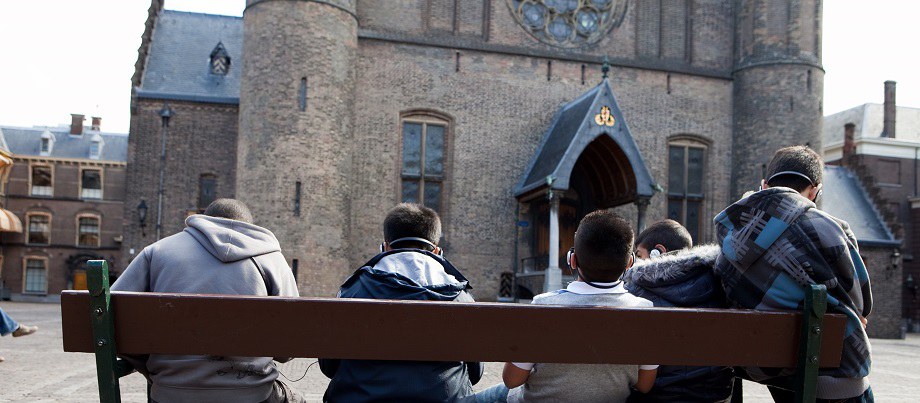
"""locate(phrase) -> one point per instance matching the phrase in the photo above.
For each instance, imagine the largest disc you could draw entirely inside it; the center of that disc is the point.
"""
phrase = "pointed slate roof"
(845, 198)
(573, 128)
(178, 64)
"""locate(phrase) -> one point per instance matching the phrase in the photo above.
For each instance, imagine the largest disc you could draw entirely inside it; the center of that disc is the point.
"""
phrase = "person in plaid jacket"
(774, 243)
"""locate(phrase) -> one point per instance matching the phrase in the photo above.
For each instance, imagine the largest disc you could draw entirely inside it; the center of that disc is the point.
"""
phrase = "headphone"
(414, 239)
(654, 253)
(819, 186)
(569, 258)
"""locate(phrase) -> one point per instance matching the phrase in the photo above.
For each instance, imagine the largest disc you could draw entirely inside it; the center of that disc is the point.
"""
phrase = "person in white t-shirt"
(602, 252)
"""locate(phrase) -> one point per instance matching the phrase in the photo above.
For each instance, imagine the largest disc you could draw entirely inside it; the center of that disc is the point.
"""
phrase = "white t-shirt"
(582, 382)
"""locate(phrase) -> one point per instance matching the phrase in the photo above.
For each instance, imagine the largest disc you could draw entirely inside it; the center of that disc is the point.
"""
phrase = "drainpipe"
(165, 114)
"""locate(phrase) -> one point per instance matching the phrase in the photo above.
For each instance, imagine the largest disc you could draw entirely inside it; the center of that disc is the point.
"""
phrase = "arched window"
(38, 231)
(35, 275)
(88, 230)
(686, 173)
(424, 151)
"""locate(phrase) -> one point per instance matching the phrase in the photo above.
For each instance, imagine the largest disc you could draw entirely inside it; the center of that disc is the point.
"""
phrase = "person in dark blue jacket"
(409, 267)
(671, 273)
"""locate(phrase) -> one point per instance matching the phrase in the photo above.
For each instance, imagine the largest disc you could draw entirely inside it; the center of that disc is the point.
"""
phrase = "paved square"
(37, 370)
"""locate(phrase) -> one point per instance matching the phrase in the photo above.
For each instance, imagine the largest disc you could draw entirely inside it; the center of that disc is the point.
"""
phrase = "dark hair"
(667, 233)
(229, 208)
(799, 159)
(412, 220)
(603, 246)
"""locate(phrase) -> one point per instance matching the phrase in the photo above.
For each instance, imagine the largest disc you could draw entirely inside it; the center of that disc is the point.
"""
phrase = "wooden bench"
(104, 323)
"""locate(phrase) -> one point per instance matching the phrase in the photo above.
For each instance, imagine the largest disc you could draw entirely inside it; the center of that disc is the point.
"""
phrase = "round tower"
(778, 84)
(294, 149)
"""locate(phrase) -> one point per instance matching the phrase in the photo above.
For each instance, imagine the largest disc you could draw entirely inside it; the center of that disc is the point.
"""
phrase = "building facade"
(880, 143)
(321, 115)
(67, 186)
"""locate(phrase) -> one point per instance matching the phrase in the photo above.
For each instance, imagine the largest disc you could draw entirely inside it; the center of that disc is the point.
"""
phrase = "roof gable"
(178, 62)
(844, 198)
(575, 126)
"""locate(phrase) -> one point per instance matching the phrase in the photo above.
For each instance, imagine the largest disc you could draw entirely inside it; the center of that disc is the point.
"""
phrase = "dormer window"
(94, 150)
(95, 147)
(220, 60)
(47, 144)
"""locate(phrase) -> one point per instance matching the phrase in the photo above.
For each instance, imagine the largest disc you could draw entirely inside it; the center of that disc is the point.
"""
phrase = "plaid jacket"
(774, 243)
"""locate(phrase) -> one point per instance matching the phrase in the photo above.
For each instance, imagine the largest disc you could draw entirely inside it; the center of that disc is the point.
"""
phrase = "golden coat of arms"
(604, 118)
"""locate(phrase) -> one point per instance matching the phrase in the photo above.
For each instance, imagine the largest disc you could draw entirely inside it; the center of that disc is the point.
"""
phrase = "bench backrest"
(373, 329)
(151, 323)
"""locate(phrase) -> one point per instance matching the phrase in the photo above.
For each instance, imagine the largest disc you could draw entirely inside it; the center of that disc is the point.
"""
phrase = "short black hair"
(412, 220)
(799, 159)
(603, 246)
(667, 233)
(229, 208)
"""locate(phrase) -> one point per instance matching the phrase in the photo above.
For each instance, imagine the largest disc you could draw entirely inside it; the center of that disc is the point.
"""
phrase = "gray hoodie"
(211, 256)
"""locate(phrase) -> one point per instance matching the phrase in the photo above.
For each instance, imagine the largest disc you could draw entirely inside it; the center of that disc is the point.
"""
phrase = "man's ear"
(632, 261)
(813, 192)
(661, 248)
(573, 261)
(763, 184)
(437, 250)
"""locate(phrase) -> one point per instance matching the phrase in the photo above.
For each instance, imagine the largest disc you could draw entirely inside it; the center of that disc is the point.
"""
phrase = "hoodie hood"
(767, 213)
(681, 278)
(407, 274)
(230, 240)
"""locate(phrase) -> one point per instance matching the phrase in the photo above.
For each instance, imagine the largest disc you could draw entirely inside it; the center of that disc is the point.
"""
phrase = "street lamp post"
(165, 114)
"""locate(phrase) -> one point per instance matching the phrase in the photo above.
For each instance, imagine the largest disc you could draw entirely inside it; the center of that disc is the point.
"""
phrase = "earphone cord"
(304, 372)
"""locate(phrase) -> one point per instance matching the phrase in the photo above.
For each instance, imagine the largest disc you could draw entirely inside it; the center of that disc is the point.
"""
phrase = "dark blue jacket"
(403, 274)
(682, 279)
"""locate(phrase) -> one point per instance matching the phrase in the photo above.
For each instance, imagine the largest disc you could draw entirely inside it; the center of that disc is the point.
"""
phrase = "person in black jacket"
(671, 273)
(409, 267)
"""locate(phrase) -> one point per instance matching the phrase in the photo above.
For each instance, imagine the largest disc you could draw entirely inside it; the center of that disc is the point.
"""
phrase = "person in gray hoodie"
(219, 252)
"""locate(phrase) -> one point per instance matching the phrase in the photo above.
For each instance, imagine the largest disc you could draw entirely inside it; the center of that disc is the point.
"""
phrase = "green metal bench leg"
(806, 376)
(103, 331)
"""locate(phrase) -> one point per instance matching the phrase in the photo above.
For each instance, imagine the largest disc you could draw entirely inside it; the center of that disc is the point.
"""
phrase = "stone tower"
(296, 108)
(778, 83)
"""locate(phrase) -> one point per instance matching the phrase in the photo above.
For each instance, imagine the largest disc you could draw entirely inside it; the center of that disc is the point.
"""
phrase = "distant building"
(67, 185)
(879, 144)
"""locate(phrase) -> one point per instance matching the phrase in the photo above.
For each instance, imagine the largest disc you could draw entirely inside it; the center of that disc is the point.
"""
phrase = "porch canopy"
(590, 143)
(594, 119)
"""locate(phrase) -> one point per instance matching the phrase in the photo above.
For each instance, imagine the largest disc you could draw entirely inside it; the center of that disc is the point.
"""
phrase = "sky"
(59, 57)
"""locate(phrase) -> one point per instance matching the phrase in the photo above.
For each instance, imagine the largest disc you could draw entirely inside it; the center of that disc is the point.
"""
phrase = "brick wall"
(500, 106)
(885, 320)
(201, 140)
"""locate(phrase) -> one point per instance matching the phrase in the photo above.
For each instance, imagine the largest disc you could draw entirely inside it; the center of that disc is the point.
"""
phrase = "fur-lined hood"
(682, 278)
(672, 267)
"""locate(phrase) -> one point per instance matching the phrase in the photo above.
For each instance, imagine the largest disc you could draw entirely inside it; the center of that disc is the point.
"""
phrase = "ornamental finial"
(605, 68)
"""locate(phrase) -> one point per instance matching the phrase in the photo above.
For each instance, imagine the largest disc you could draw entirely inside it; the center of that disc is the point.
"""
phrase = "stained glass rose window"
(568, 23)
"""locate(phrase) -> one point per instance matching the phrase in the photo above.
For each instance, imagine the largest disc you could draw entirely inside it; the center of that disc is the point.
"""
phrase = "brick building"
(879, 143)
(321, 115)
(67, 186)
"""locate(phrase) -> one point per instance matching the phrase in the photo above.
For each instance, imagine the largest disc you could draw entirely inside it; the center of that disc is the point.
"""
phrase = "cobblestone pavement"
(37, 370)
